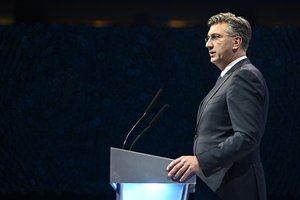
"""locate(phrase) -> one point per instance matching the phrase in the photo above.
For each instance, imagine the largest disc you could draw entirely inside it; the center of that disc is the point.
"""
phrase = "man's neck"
(230, 65)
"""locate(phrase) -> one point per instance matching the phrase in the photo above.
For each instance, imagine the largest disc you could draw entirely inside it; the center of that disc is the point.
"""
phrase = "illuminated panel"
(152, 191)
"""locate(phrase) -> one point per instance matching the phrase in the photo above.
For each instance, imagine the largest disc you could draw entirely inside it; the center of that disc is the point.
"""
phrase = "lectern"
(139, 176)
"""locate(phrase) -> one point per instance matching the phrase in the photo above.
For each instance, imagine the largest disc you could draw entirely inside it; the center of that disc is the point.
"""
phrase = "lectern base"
(151, 191)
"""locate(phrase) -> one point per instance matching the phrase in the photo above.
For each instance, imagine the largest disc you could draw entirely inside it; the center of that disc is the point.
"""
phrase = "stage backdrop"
(68, 93)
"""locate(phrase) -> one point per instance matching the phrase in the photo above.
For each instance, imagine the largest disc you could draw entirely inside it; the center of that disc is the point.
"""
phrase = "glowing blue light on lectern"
(152, 191)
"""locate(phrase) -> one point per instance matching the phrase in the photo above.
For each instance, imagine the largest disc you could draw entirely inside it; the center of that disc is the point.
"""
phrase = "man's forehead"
(219, 28)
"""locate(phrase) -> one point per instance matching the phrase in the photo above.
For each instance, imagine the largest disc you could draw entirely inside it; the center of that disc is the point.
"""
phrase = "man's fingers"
(175, 169)
(181, 171)
(172, 164)
(186, 174)
(182, 168)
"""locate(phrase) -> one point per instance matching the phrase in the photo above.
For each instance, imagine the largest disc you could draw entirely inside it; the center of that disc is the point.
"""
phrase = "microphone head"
(159, 114)
(149, 107)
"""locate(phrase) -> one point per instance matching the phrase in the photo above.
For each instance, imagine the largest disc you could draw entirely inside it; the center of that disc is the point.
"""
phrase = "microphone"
(153, 100)
(152, 123)
(149, 107)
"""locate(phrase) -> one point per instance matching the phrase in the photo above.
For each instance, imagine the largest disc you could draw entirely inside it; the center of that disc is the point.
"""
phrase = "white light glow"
(152, 191)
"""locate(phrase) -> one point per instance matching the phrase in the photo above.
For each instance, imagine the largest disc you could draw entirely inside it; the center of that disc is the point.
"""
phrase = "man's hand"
(183, 167)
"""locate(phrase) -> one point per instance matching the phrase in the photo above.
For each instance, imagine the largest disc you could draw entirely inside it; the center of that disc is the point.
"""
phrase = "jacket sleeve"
(245, 99)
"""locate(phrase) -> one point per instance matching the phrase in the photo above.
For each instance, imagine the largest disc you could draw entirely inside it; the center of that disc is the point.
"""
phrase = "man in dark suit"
(231, 120)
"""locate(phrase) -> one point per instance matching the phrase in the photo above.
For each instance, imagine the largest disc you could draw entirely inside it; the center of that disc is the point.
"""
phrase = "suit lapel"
(217, 86)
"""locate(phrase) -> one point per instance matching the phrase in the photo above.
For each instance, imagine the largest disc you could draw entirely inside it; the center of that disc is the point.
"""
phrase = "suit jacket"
(230, 125)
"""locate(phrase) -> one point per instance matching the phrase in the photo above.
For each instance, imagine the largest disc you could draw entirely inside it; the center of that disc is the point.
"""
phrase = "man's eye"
(215, 36)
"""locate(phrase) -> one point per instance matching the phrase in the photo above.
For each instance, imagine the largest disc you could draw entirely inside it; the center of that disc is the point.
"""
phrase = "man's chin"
(213, 60)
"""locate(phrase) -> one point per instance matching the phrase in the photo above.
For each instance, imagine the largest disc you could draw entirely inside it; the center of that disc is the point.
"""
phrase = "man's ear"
(237, 42)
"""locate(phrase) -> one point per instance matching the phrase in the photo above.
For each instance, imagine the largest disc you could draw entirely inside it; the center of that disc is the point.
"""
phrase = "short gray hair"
(237, 26)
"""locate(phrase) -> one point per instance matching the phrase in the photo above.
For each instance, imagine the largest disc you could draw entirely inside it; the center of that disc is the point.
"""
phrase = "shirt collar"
(228, 67)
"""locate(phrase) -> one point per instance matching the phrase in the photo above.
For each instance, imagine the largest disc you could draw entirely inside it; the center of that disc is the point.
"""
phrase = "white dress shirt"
(228, 67)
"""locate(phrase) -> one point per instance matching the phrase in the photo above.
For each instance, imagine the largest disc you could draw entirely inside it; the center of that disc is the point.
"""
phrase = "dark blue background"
(68, 93)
